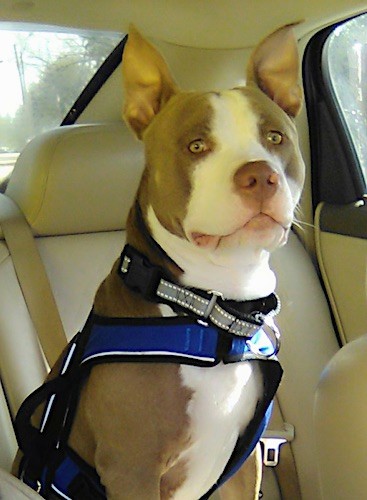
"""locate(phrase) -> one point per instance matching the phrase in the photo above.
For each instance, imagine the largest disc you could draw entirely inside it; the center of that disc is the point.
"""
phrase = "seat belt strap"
(32, 279)
(281, 459)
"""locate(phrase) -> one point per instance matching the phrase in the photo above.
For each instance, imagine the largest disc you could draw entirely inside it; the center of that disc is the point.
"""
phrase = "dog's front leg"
(142, 481)
(245, 484)
(131, 424)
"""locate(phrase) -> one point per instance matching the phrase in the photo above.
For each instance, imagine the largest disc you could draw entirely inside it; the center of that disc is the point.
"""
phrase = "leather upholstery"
(12, 489)
(61, 179)
(340, 423)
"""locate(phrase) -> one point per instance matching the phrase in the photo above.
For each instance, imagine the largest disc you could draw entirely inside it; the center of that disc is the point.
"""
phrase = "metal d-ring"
(273, 334)
(269, 325)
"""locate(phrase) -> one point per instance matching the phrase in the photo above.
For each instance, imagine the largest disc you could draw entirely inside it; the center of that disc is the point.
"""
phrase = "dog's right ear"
(147, 80)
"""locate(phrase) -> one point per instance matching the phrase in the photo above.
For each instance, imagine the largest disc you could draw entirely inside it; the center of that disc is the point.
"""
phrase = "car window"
(42, 72)
(345, 57)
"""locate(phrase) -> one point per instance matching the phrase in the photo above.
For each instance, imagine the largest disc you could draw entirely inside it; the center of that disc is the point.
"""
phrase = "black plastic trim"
(98, 80)
(348, 220)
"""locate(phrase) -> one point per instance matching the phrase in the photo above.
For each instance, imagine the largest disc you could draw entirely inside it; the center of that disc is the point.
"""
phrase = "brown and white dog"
(223, 177)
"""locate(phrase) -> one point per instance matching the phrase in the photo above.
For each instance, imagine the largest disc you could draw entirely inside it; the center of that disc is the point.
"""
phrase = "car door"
(335, 76)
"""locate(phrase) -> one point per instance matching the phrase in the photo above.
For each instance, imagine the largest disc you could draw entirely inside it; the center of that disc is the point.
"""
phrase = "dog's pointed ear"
(147, 82)
(274, 67)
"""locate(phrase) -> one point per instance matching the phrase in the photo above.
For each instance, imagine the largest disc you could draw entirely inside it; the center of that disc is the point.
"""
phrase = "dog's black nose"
(257, 179)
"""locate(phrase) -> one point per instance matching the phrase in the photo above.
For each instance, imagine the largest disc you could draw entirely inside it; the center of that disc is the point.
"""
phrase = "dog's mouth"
(257, 225)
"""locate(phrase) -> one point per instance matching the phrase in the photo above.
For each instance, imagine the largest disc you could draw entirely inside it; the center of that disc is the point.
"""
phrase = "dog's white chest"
(223, 403)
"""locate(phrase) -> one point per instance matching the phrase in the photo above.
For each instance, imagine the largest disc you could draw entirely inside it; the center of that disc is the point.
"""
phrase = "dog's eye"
(274, 137)
(198, 146)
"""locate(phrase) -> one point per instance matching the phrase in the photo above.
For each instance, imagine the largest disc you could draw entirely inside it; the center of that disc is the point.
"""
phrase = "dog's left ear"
(274, 67)
(147, 82)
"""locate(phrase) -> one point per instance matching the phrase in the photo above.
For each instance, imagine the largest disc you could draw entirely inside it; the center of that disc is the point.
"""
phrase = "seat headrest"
(78, 179)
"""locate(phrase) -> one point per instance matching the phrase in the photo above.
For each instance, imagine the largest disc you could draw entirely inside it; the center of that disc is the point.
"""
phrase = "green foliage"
(53, 69)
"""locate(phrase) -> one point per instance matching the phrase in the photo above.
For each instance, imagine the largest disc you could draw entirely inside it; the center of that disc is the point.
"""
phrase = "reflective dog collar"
(242, 319)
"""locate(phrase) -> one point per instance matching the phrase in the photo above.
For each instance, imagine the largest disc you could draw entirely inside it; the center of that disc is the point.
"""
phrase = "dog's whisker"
(302, 224)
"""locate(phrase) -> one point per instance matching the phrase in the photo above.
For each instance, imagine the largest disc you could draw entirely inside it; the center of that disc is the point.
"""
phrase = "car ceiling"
(224, 24)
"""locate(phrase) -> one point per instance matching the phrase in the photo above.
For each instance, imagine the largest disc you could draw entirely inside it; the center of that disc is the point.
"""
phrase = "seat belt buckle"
(272, 441)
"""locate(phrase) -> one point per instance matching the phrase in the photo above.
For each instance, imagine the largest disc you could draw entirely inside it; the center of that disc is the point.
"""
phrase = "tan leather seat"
(12, 489)
(75, 186)
(341, 423)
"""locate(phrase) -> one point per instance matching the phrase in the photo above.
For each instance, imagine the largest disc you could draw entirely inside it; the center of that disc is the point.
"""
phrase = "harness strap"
(60, 394)
(172, 339)
(75, 479)
(30, 439)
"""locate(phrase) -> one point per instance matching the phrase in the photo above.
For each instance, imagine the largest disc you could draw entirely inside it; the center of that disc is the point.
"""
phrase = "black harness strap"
(41, 445)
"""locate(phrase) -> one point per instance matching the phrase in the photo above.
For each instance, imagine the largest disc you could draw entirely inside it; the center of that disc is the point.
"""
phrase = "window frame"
(330, 141)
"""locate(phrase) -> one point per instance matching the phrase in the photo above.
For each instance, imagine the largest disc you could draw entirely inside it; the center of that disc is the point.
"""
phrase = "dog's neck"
(244, 276)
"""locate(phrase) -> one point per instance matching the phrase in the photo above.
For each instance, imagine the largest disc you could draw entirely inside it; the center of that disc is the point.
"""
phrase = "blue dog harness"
(52, 468)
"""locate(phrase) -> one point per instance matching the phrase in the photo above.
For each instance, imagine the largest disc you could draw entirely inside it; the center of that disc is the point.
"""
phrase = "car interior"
(70, 176)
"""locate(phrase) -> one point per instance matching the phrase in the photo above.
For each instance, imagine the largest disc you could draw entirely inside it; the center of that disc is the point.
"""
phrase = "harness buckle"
(272, 441)
(139, 274)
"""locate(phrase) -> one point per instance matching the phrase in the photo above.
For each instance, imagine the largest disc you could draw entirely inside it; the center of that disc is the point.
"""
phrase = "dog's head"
(223, 169)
